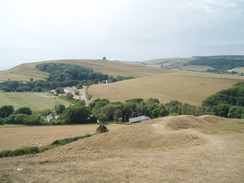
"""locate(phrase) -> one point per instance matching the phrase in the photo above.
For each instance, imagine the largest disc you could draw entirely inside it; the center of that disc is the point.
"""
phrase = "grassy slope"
(36, 101)
(188, 87)
(172, 149)
(26, 71)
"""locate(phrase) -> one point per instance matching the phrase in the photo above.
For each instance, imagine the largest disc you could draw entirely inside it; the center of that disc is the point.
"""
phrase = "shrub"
(68, 140)
(6, 153)
(23, 110)
(33, 120)
(25, 150)
(16, 119)
(102, 128)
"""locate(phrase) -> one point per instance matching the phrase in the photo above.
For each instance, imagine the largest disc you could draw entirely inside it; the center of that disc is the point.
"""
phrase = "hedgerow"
(35, 150)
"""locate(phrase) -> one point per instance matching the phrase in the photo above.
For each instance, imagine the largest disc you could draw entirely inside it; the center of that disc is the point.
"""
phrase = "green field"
(36, 101)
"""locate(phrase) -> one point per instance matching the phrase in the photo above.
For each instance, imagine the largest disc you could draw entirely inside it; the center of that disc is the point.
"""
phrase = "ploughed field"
(178, 149)
(16, 137)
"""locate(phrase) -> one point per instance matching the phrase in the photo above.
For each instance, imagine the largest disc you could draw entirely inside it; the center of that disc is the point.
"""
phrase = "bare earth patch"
(206, 149)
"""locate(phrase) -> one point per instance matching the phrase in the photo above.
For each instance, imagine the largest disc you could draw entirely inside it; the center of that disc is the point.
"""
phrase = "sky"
(126, 30)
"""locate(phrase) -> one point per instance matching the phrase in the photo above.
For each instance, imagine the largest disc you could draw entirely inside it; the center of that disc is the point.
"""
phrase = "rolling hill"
(187, 87)
(26, 71)
(163, 84)
(171, 149)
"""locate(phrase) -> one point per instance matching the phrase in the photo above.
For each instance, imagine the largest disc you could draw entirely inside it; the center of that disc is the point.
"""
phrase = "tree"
(108, 111)
(153, 101)
(59, 108)
(75, 115)
(16, 119)
(6, 110)
(221, 110)
(236, 112)
(33, 120)
(69, 95)
(23, 110)
(135, 100)
(159, 111)
(59, 90)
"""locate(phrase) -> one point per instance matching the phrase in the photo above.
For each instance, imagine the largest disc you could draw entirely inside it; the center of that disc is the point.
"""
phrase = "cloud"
(210, 5)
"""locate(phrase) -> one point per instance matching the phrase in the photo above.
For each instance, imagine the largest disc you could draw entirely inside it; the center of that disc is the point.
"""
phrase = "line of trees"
(219, 62)
(22, 115)
(227, 103)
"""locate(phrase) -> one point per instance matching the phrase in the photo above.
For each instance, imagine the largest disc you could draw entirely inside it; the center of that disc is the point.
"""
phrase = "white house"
(51, 118)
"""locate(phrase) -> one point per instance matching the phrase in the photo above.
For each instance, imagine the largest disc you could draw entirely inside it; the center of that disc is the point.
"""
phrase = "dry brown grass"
(148, 152)
(186, 87)
(26, 71)
(13, 137)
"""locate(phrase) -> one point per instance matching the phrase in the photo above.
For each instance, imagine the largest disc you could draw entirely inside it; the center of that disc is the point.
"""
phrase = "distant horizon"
(2, 68)
(126, 30)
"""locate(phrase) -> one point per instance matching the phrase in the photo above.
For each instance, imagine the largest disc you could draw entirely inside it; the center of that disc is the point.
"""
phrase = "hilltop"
(171, 149)
(28, 70)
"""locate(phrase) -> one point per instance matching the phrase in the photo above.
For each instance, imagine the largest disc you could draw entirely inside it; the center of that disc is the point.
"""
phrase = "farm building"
(51, 118)
(139, 119)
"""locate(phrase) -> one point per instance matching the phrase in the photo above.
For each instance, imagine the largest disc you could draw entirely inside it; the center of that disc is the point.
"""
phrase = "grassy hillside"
(26, 71)
(173, 149)
(36, 101)
(187, 87)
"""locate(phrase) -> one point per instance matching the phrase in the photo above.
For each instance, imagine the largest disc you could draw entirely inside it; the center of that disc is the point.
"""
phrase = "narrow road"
(84, 95)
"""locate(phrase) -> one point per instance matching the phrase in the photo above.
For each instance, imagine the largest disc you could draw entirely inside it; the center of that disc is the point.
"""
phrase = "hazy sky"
(128, 30)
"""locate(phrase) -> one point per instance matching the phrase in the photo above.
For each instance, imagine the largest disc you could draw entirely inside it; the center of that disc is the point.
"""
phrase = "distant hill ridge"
(114, 68)
(201, 63)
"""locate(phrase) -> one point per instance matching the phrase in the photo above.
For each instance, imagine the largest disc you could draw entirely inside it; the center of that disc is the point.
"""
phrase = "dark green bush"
(102, 128)
(6, 153)
(68, 140)
(25, 150)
